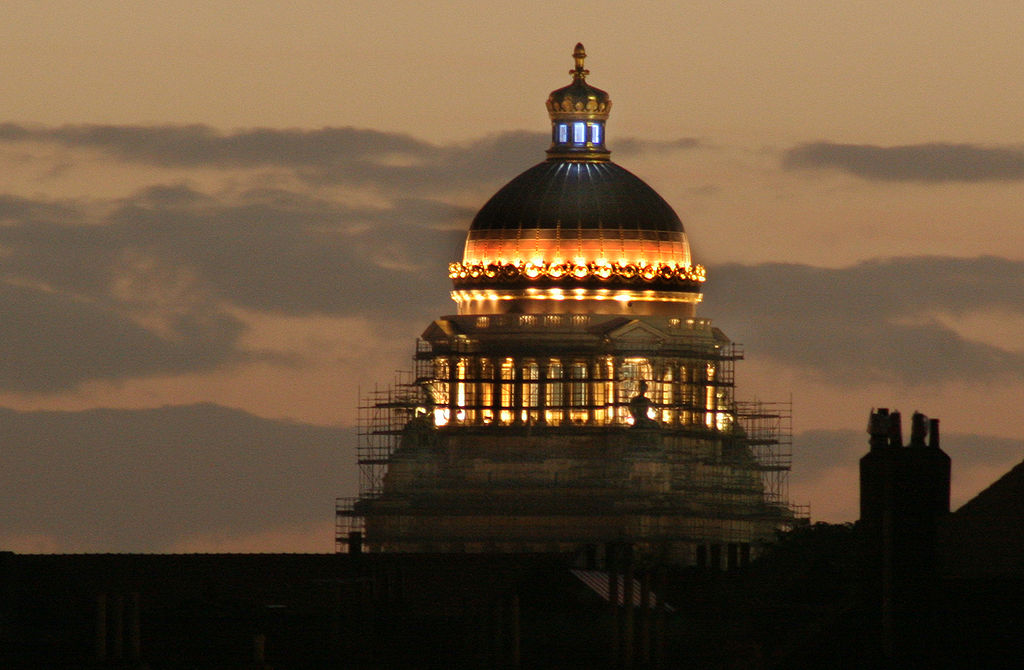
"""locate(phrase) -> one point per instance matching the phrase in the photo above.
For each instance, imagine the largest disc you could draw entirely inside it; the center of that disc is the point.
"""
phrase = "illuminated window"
(687, 395)
(578, 395)
(578, 392)
(595, 133)
(631, 373)
(486, 390)
(606, 390)
(563, 133)
(668, 411)
(579, 132)
(465, 393)
(441, 381)
(553, 414)
(531, 397)
(507, 372)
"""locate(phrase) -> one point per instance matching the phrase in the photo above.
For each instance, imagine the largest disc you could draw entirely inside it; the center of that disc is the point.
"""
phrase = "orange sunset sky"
(219, 221)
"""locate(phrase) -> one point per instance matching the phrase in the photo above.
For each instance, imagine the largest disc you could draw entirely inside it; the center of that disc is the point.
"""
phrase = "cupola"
(578, 113)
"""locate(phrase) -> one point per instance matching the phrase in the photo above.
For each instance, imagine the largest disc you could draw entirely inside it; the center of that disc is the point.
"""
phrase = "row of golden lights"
(600, 269)
(577, 294)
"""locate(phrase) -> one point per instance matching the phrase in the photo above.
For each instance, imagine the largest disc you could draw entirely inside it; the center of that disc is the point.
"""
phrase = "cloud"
(148, 285)
(264, 249)
(201, 145)
(297, 254)
(18, 210)
(393, 162)
(633, 146)
(193, 477)
(874, 321)
(54, 341)
(930, 162)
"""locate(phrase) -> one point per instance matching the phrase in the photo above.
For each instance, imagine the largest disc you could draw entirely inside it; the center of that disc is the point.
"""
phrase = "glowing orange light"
(578, 271)
(625, 270)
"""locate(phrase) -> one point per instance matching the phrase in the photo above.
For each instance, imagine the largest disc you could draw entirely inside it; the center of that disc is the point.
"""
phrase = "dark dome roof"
(572, 196)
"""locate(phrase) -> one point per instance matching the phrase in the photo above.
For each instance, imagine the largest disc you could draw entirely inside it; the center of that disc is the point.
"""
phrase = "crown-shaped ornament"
(579, 100)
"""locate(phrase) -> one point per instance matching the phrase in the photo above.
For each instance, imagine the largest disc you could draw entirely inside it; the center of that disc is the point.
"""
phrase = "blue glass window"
(595, 133)
(579, 132)
(563, 133)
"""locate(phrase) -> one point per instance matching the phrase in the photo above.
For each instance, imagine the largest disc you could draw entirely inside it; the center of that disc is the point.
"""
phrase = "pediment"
(440, 329)
(636, 334)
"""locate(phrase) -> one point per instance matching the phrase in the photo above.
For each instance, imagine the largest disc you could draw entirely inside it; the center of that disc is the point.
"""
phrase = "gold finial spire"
(579, 54)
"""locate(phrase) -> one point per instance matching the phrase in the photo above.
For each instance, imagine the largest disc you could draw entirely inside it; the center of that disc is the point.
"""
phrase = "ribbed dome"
(562, 210)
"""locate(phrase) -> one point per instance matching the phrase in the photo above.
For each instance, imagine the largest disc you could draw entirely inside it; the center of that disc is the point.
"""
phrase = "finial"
(579, 54)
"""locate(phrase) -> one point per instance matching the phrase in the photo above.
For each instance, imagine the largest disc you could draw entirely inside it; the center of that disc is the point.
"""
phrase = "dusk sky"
(220, 221)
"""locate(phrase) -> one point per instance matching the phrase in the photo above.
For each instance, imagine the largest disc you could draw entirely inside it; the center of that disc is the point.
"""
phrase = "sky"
(223, 222)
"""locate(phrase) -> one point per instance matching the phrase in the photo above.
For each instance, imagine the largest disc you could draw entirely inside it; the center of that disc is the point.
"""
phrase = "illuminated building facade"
(575, 398)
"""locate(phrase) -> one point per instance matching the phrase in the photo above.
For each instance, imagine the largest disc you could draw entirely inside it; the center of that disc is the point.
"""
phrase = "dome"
(578, 211)
(576, 232)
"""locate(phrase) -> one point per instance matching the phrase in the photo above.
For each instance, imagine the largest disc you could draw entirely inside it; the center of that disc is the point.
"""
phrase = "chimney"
(895, 430)
(878, 428)
(918, 429)
(933, 433)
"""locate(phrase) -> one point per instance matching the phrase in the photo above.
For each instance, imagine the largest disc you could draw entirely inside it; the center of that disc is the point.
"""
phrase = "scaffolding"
(730, 458)
(767, 430)
(383, 414)
(346, 522)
